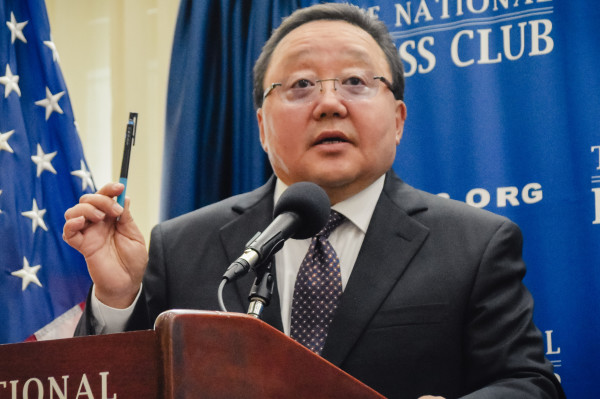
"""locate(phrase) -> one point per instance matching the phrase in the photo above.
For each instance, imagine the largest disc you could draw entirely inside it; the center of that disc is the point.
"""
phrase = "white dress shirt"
(346, 240)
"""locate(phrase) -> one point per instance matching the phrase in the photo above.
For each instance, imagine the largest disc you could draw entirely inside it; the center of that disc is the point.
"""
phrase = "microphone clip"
(261, 291)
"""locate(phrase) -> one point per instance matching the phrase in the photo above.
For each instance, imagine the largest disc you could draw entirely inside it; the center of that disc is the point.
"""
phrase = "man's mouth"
(332, 140)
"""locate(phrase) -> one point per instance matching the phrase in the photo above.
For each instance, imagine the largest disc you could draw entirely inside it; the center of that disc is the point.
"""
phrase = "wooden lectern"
(190, 354)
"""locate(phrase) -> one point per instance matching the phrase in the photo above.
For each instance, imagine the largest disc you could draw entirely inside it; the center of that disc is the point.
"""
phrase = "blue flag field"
(42, 173)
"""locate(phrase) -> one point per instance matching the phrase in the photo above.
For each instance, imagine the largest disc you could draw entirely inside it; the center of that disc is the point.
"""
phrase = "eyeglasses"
(355, 86)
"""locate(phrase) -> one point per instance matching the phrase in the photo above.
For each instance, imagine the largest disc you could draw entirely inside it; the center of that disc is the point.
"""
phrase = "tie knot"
(335, 219)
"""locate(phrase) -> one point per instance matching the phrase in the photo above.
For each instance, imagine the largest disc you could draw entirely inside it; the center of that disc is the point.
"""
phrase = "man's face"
(343, 146)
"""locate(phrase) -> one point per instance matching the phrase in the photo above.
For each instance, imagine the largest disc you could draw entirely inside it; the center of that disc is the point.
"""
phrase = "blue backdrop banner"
(503, 99)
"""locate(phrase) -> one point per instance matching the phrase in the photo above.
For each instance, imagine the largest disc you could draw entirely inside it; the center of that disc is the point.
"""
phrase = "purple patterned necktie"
(317, 290)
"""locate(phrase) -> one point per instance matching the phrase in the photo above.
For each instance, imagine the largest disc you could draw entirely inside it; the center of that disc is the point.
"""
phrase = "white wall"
(115, 57)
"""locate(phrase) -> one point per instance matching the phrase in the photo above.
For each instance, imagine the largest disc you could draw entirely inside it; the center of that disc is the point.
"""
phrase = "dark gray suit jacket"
(435, 303)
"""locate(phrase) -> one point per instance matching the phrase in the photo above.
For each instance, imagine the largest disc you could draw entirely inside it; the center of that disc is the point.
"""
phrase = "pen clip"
(133, 116)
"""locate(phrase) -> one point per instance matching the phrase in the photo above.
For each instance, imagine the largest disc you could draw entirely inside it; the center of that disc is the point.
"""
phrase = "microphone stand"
(261, 291)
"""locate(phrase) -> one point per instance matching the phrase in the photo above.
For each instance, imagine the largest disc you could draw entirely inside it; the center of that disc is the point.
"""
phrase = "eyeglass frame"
(272, 86)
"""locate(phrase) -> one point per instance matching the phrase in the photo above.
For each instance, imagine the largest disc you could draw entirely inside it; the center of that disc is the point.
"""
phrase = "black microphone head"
(310, 203)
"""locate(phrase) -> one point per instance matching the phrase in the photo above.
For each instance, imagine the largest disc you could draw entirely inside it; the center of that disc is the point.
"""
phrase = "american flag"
(42, 173)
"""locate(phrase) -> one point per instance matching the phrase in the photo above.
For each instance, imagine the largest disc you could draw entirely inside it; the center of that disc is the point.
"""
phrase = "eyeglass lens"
(352, 87)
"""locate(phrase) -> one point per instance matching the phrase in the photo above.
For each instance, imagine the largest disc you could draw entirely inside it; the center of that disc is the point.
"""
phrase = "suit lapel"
(255, 213)
(392, 240)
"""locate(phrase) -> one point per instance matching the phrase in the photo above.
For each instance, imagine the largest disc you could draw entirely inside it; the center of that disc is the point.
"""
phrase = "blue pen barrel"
(121, 197)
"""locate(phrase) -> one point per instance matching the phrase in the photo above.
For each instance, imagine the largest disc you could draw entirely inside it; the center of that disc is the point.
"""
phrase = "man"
(432, 300)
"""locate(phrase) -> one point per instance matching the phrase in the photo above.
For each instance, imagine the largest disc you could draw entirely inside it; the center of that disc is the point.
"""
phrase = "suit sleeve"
(85, 326)
(504, 349)
(155, 283)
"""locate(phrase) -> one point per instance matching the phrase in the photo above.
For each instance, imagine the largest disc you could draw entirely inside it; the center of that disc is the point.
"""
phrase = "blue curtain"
(212, 148)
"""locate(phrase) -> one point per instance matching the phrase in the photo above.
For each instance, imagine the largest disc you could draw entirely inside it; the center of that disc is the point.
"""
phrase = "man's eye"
(302, 84)
(354, 81)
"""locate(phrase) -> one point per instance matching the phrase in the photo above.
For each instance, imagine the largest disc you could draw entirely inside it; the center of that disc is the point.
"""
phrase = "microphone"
(301, 212)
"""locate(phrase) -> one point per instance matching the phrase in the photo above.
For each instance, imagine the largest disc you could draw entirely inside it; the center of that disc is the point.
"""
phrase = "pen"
(129, 141)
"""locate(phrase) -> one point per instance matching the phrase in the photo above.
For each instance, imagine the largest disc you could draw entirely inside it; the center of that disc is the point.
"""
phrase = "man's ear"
(261, 129)
(400, 119)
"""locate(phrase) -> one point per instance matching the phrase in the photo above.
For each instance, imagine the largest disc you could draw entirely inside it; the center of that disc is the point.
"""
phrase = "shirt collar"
(358, 209)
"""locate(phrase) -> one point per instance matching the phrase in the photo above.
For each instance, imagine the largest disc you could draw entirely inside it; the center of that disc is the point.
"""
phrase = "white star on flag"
(51, 102)
(85, 176)
(43, 160)
(28, 274)
(11, 82)
(37, 217)
(16, 29)
(50, 44)
(4, 141)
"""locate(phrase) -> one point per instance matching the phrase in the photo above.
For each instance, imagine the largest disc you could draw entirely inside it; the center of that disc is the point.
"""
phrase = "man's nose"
(329, 103)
